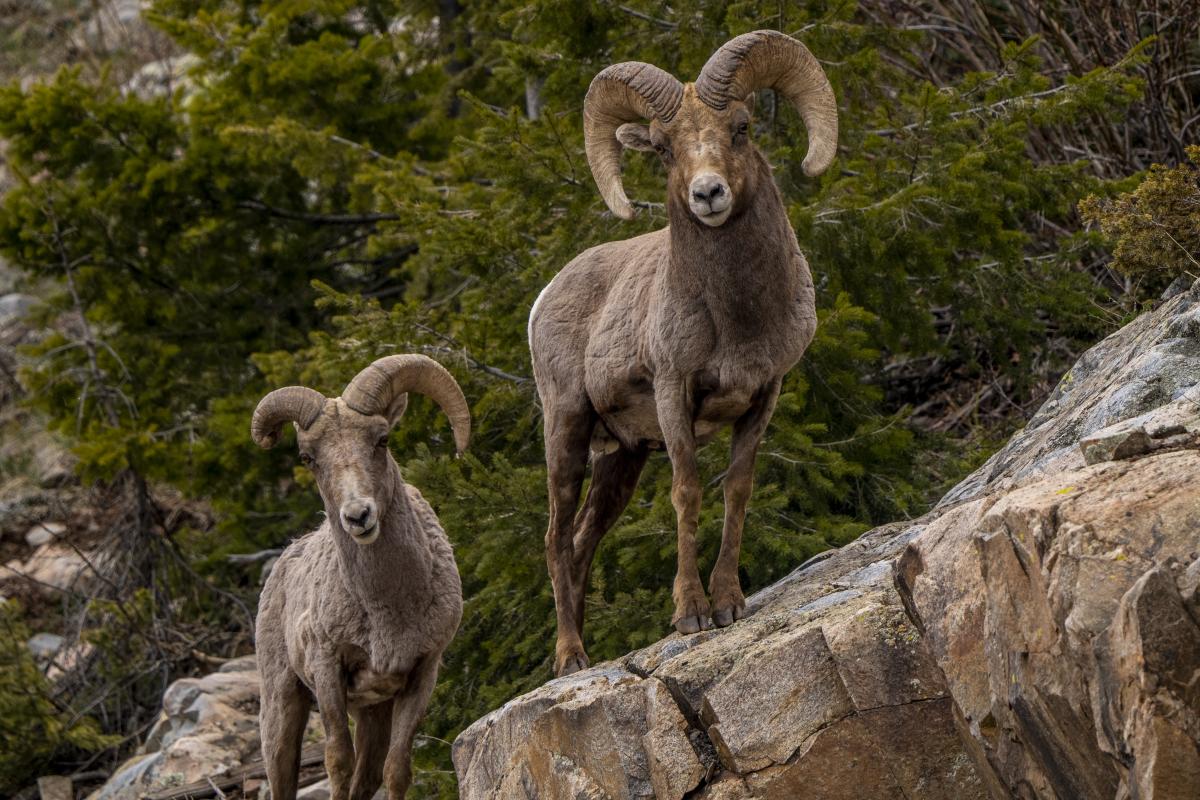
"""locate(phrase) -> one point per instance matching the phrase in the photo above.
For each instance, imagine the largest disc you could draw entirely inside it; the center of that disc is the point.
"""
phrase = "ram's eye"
(383, 442)
(306, 459)
(742, 130)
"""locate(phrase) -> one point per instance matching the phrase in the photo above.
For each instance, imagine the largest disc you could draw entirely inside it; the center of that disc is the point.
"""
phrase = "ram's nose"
(359, 518)
(707, 188)
(710, 197)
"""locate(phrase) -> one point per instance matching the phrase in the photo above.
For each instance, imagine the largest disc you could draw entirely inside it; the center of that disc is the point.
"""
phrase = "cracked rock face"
(816, 694)
(1037, 635)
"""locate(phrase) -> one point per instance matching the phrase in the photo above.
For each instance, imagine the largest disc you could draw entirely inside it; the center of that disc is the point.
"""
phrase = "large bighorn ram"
(356, 614)
(665, 338)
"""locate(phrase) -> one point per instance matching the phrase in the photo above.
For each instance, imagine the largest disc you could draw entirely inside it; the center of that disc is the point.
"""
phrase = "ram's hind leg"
(372, 740)
(724, 587)
(282, 717)
(614, 477)
(569, 424)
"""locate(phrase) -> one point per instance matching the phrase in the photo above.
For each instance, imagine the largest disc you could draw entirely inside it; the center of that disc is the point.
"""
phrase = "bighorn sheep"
(663, 339)
(356, 614)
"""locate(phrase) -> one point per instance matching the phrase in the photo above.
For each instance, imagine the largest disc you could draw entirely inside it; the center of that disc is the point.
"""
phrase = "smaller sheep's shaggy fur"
(356, 614)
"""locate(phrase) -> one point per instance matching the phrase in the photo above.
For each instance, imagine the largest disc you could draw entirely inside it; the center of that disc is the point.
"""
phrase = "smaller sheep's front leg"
(407, 713)
(674, 406)
(330, 686)
(372, 738)
(283, 715)
(728, 603)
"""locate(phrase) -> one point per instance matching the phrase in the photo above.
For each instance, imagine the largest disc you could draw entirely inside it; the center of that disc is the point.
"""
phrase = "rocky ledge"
(1035, 635)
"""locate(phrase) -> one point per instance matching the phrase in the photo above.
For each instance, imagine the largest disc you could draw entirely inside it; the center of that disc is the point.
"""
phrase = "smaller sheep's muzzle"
(360, 519)
(709, 198)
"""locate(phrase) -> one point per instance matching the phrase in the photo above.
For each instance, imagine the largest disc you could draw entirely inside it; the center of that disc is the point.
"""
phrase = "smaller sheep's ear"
(635, 136)
(396, 410)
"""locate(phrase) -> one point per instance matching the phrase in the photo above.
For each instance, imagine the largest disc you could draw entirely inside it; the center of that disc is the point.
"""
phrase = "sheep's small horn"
(297, 404)
(772, 60)
(621, 93)
(373, 390)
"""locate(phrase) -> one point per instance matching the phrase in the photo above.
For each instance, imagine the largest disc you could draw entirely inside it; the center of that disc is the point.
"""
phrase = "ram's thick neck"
(744, 267)
(391, 576)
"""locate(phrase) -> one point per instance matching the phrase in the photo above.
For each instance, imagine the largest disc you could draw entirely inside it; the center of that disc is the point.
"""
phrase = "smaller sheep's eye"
(306, 459)
(383, 442)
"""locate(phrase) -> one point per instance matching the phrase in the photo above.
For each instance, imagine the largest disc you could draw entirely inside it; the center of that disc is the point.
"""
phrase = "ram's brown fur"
(663, 339)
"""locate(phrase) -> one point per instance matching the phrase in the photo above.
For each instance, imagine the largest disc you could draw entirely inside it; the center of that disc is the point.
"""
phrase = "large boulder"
(207, 730)
(1035, 635)
(815, 692)
(208, 726)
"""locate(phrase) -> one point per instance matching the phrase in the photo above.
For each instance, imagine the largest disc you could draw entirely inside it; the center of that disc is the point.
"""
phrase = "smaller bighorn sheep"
(356, 614)
(662, 340)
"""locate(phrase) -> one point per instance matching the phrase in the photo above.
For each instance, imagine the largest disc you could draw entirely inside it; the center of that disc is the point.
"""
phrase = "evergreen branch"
(455, 347)
(318, 219)
(857, 437)
(254, 558)
(396, 256)
(357, 146)
(993, 108)
(666, 25)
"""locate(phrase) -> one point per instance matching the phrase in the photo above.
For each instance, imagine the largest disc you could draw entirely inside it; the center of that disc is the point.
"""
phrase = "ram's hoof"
(691, 624)
(571, 665)
(727, 615)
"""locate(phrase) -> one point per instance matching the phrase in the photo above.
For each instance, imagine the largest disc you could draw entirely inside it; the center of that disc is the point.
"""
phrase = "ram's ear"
(748, 101)
(635, 136)
(396, 410)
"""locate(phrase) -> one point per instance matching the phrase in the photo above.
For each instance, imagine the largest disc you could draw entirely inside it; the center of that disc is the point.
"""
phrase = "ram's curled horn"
(375, 389)
(621, 93)
(772, 60)
(297, 404)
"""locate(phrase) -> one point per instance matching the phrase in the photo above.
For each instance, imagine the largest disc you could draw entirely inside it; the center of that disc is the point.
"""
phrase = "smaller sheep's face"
(711, 163)
(348, 455)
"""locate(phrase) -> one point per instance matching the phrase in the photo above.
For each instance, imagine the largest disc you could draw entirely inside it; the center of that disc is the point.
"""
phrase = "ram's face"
(348, 455)
(708, 154)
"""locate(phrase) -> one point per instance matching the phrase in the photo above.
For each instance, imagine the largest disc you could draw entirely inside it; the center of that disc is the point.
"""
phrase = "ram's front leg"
(674, 406)
(407, 713)
(724, 587)
(331, 701)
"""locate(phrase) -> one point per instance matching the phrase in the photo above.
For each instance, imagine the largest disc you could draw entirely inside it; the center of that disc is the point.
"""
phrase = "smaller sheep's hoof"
(691, 624)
